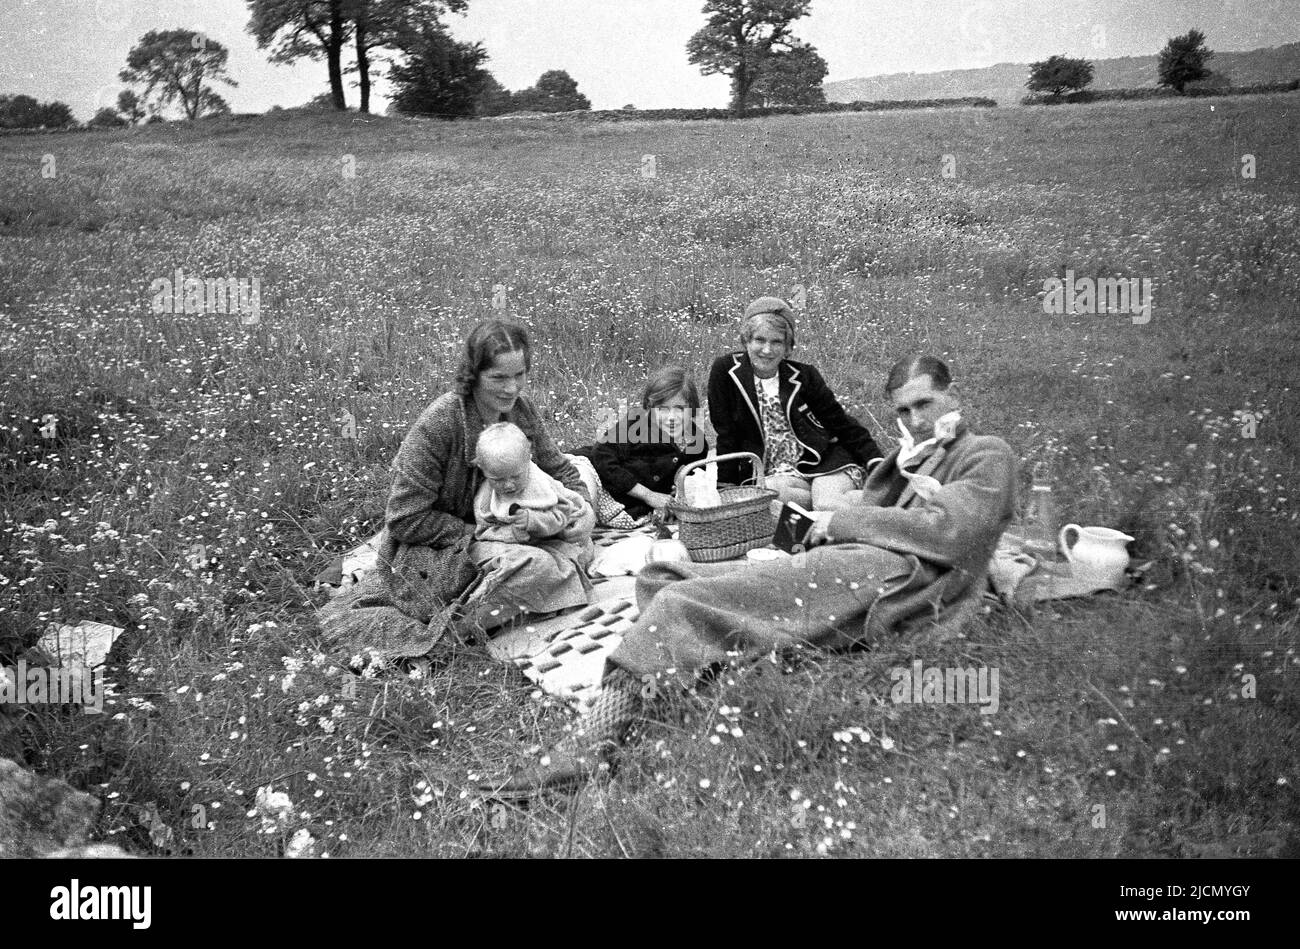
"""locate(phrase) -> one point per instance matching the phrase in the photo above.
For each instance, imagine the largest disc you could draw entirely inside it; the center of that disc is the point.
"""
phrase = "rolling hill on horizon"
(1005, 82)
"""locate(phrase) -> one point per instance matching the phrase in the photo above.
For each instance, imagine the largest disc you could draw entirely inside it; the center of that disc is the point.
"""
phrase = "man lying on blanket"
(918, 542)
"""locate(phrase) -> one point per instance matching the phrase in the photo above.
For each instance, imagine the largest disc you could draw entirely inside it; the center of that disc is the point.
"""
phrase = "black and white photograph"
(634, 429)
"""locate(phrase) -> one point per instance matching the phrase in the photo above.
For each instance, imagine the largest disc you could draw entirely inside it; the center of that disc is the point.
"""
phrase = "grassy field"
(1160, 722)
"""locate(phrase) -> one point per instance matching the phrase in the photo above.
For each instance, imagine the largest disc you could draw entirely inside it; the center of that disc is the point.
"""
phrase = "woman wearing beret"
(760, 401)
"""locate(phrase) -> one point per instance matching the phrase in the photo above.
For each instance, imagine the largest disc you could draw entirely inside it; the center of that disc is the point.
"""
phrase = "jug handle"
(1065, 548)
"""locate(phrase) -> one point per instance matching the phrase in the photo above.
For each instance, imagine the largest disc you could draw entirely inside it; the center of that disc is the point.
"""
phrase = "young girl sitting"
(633, 463)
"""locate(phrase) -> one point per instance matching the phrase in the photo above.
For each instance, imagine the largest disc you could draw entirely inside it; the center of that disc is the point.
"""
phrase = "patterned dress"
(781, 451)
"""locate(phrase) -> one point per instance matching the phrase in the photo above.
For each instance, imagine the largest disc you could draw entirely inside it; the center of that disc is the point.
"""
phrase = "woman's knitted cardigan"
(424, 563)
(434, 478)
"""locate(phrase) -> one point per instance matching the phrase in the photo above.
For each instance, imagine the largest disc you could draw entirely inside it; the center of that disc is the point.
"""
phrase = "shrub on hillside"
(1122, 95)
(1056, 74)
(688, 115)
(24, 112)
(106, 119)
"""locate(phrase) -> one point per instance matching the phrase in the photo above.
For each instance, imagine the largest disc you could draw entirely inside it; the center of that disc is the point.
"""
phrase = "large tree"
(438, 76)
(176, 66)
(555, 91)
(791, 77)
(1183, 60)
(1056, 74)
(388, 25)
(740, 38)
(305, 28)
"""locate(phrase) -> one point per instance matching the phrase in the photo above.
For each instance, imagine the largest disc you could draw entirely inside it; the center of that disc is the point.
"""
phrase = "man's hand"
(818, 533)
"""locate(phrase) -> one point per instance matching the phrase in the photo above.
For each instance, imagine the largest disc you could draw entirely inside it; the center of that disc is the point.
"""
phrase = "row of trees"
(439, 76)
(374, 29)
(1182, 62)
(750, 41)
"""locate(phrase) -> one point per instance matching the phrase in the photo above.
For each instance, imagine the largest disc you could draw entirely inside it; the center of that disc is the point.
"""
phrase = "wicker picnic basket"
(742, 522)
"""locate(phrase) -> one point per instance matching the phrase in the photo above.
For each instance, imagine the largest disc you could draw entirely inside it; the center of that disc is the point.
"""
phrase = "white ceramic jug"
(1098, 555)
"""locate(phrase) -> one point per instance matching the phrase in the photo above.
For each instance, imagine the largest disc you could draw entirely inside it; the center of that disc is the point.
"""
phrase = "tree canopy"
(493, 98)
(316, 29)
(791, 77)
(129, 106)
(1183, 60)
(176, 66)
(298, 29)
(554, 91)
(739, 40)
(1056, 74)
(24, 112)
(437, 75)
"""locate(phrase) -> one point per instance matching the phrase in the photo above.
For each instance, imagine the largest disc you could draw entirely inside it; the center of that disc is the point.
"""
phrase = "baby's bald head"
(503, 455)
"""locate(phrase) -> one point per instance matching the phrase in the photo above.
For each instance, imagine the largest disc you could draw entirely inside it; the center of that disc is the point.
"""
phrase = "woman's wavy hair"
(484, 344)
(666, 382)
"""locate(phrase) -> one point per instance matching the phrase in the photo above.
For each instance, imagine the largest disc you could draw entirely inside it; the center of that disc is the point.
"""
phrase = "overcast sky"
(627, 51)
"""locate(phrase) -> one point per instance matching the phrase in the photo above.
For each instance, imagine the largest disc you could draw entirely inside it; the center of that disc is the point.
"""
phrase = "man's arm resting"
(962, 514)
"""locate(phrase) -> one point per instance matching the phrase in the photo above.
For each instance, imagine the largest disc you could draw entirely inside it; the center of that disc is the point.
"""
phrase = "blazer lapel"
(791, 385)
(742, 374)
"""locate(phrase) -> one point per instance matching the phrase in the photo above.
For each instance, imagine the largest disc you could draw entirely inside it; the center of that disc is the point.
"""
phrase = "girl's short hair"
(484, 344)
(772, 319)
(909, 367)
(666, 382)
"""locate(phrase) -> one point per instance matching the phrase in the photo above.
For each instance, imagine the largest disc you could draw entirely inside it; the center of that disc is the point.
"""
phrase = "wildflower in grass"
(300, 845)
(274, 808)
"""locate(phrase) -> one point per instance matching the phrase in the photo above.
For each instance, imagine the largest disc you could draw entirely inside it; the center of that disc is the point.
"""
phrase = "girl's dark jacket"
(635, 451)
(831, 438)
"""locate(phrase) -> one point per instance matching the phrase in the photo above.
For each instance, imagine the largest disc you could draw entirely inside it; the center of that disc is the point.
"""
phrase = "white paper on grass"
(361, 560)
(623, 558)
(85, 644)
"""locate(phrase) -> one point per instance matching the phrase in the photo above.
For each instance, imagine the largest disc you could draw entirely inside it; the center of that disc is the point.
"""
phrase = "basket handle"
(679, 485)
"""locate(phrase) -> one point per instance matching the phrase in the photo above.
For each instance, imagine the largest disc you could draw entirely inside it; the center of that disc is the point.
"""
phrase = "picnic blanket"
(565, 654)
(363, 620)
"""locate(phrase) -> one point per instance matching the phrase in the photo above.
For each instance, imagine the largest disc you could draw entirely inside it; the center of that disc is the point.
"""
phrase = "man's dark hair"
(909, 367)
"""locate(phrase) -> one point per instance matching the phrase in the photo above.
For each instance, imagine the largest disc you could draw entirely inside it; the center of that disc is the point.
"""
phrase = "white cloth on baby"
(541, 493)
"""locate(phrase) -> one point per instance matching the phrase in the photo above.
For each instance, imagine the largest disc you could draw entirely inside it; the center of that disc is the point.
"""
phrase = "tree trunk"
(741, 82)
(363, 64)
(192, 97)
(334, 55)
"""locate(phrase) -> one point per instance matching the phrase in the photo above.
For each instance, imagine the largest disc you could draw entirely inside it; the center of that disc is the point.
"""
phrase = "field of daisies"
(183, 476)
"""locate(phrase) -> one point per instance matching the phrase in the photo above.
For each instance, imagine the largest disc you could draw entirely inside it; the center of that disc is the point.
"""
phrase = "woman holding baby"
(480, 482)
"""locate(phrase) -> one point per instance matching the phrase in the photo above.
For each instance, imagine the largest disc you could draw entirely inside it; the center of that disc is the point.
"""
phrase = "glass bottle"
(1042, 523)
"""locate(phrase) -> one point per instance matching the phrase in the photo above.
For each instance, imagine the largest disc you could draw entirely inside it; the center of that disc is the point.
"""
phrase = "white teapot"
(1098, 555)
